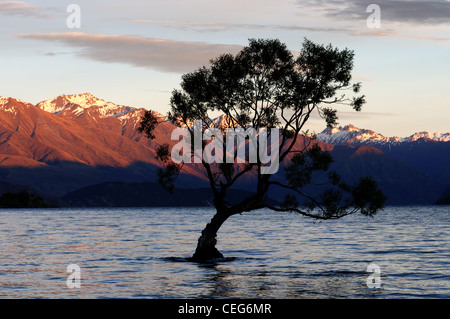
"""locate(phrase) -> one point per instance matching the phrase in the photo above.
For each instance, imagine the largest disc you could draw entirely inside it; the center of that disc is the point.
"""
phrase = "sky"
(135, 52)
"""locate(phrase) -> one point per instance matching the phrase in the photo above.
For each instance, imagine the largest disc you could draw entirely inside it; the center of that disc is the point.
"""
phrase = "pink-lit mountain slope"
(76, 141)
(73, 141)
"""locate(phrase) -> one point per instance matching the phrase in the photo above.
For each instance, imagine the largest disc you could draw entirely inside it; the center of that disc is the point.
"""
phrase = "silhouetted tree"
(266, 86)
(22, 200)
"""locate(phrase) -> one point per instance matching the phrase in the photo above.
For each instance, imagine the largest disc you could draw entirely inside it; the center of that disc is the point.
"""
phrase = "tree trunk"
(206, 246)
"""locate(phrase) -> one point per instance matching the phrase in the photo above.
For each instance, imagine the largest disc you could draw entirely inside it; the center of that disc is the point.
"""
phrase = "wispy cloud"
(162, 55)
(409, 11)
(362, 78)
(201, 26)
(365, 115)
(216, 27)
(21, 8)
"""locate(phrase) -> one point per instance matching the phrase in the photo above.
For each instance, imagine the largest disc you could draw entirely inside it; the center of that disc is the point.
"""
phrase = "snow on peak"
(351, 128)
(4, 100)
(9, 104)
(439, 137)
(77, 104)
(347, 135)
(60, 103)
(352, 135)
(223, 121)
(334, 130)
(84, 100)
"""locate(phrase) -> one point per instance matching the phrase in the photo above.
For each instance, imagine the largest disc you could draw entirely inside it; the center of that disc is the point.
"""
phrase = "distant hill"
(22, 200)
(15, 193)
(402, 183)
(444, 199)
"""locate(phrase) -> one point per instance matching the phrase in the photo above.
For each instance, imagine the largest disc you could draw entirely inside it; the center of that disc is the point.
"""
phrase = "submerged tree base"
(214, 261)
(206, 247)
(209, 256)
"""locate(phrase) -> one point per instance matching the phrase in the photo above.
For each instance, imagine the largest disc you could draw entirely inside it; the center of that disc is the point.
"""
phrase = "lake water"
(141, 253)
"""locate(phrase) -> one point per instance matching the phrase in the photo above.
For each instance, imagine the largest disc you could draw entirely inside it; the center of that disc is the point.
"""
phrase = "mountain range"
(351, 135)
(73, 148)
(427, 152)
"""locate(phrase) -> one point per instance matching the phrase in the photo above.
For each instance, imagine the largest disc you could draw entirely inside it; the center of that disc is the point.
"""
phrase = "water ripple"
(145, 253)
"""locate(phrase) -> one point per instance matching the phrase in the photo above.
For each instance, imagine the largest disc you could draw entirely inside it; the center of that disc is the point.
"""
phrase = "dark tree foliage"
(266, 86)
(22, 200)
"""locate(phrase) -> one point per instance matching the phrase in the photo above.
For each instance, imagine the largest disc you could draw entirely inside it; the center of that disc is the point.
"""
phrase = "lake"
(141, 253)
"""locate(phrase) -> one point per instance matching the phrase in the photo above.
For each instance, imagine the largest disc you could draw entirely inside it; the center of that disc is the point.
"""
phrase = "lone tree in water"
(265, 87)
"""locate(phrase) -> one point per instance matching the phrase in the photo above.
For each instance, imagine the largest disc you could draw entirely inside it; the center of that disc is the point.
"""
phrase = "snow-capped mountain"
(7, 104)
(73, 141)
(427, 152)
(87, 108)
(222, 122)
(4, 100)
(77, 104)
(351, 135)
(438, 137)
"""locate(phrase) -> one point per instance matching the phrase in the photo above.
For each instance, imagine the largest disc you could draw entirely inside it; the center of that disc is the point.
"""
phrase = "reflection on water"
(143, 253)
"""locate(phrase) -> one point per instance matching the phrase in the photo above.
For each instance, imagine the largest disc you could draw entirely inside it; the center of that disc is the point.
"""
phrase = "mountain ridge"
(428, 152)
(334, 135)
(59, 152)
(350, 134)
(75, 141)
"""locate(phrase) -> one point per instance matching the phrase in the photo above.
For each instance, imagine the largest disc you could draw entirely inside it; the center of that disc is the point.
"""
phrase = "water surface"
(142, 253)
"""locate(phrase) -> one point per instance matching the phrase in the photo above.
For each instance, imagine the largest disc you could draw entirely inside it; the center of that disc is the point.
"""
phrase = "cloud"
(409, 11)
(201, 26)
(51, 54)
(158, 54)
(23, 9)
(216, 27)
(365, 115)
(223, 26)
(362, 78)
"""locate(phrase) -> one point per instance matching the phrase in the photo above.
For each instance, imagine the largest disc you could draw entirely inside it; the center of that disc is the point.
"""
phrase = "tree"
(22, 200)
(265, 87)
